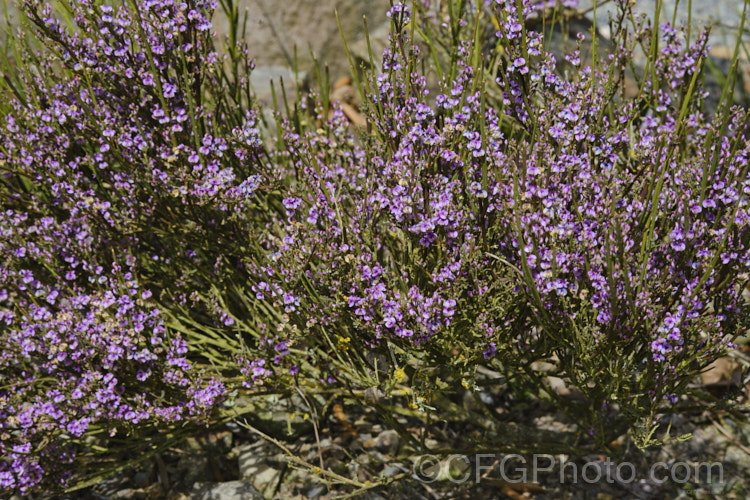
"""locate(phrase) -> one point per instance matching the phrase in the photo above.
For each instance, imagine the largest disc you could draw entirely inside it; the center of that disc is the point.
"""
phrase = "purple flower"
(399, 11)
(292, 204)
(489, 352)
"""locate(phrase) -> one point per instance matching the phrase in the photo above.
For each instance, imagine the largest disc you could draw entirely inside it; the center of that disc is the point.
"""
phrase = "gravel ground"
(232, 463)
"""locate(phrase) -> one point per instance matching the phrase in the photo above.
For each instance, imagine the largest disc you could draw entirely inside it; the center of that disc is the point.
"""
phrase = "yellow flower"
(399, 375)
(342, 342)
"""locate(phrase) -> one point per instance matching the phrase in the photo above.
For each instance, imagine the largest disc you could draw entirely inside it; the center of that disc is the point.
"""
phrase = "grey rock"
(230, 490)
(193, 469)
(373, 395)
(378, 42)
(275, 28)
(316, 491)
(141, 478)
(393, 471)
(262, 77)
(387, 442)
(279, 419)
(128, 494)
(369, 495)
(486, 397)
(257, 468)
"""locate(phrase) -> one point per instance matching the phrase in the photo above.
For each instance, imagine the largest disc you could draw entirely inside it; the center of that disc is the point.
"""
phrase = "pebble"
(387, 442)
(230, 490)
(254, 467)
(141, 478)
(316, 491)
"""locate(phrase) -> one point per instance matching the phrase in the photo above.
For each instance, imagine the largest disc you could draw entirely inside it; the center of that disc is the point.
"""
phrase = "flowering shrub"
(164, 255)
(117, 134)
(601, 235)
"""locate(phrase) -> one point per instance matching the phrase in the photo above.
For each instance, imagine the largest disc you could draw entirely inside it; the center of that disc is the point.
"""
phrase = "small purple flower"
(520, 64)
(399, 11)
(489, 352)
(292, 203)
(77, 427)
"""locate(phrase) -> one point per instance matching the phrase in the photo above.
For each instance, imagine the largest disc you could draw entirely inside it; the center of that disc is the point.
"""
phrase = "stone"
(368, 444)
(141, 478)
(256, 468)
(128, 494)
(262, 77)
(176, 495)
(378, 42)
(373, 395)
(275, 28)
(230, 490)
(316, 491)
(388, 442)
(393, 471)
(193, 468)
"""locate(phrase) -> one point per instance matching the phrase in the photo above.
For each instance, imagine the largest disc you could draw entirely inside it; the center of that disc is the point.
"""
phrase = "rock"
(295, 483)
(193, 468)
(281, 424)
(373, 395)
(230, 490)
(141, 479)
(368, 444)
(723, 372)
(378, 42)
(393, 471)
(262, 76)
(176, 495)
(387, 442)
(487, 398)
(274, 29)
(363, 475)
(12, 17)
(563, 388)
(114, 484)
(316, 491)
(128, 494)
(262, 472)
(152, 492)
(280, 419)
(469, 401)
